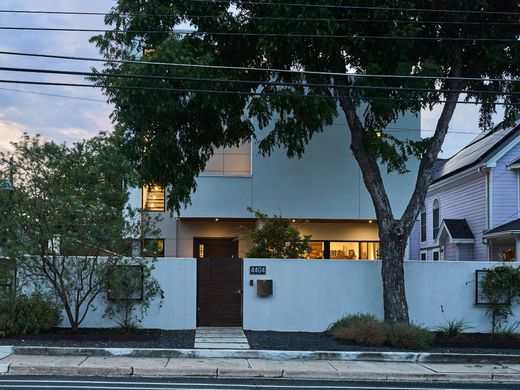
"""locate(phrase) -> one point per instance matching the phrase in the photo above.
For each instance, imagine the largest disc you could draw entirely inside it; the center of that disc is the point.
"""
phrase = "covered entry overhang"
(503, 241)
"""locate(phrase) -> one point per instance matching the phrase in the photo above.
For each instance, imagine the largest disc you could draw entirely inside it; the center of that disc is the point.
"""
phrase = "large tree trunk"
(394, 232)
(393, 247)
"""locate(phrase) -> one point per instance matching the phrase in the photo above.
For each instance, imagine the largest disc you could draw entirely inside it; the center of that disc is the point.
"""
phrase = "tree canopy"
(66, 223)
(289, 68)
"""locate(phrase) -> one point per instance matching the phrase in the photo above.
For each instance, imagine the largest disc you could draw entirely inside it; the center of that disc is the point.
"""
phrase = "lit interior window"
(148, 50)
(317, 249)
(153, 198)
(344, 250)
(152, 248)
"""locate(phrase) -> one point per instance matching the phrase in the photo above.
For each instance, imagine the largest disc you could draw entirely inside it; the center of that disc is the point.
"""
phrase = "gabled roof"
(458, 231)
(510, 227)
(477, 151)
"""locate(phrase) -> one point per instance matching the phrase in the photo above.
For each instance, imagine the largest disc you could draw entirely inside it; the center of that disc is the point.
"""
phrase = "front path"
(220, 338)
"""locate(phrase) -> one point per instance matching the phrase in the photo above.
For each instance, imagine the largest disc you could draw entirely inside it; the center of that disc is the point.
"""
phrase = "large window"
(341, 250)
(423, 224)
(435, 218)
(231, 161)
(153, 198)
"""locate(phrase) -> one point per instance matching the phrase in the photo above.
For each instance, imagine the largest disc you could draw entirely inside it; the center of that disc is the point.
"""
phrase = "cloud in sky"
(69, 119)
(10, 131)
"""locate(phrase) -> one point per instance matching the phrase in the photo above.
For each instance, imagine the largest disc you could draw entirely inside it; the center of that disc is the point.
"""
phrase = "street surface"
(49, 382)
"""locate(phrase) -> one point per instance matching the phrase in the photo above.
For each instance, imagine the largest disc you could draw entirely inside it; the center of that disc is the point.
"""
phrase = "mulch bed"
(284, 341)
(104, 338)
(303, 341)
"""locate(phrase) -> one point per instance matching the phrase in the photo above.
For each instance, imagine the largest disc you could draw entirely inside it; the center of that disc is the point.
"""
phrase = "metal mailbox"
(264, 287)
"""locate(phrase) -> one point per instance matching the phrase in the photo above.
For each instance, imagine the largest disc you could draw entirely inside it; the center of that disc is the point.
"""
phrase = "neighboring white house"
(323, 193)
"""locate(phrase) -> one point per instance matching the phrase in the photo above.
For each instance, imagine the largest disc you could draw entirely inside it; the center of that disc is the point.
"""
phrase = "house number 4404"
(257, 270)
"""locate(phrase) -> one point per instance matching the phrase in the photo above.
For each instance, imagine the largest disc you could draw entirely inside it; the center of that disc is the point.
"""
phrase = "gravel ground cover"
(105, 338)
(304, 341)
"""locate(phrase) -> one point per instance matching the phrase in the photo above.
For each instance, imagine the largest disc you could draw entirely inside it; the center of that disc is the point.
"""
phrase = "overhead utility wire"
(53, 95)
(359, 7)
(301, 19)
(253, 69)
(250, 82)
(245, 34)
(226, 92)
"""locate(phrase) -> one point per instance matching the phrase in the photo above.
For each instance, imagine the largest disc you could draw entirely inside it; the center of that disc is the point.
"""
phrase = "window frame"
(111, 297)
(436, 217)
(424, 224)
(425, 253)
(326, 248)
(143, 242)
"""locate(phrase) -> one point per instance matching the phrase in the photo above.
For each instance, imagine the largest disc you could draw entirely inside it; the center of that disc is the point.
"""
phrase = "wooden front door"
(219, 282)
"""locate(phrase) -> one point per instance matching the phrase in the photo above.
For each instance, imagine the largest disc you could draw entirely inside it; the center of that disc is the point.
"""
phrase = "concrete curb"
(19, 369)
(395, 357)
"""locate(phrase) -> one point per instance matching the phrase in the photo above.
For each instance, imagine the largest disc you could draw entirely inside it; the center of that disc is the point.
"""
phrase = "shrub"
(452, 328)
(508, 331)
(409, 336)
(361, 328)
(28, 314)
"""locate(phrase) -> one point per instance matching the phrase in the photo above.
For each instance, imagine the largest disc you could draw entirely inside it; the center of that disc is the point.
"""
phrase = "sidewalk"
(87, 365)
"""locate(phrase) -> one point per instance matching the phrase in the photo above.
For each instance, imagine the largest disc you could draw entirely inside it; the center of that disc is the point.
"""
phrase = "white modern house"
(323, 193)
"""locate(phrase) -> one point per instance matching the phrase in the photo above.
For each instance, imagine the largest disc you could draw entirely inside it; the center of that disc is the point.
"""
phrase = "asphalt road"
(32, 382)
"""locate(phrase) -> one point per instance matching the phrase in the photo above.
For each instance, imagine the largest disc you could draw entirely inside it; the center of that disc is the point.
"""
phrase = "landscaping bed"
(304, 341)
(106, 338)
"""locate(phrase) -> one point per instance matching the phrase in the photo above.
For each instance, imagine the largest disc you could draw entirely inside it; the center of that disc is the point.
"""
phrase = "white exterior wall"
(310, 295)
(178, 279)
(326, 183)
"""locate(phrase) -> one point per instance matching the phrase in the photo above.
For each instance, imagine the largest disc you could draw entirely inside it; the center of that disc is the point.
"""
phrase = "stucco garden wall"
(309, 295)
(178, 279)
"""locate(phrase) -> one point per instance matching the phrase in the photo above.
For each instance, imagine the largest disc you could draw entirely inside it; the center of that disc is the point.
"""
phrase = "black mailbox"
(264, 288)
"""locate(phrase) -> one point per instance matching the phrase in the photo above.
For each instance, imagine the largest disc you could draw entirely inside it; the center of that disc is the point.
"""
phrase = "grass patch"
(453, 328)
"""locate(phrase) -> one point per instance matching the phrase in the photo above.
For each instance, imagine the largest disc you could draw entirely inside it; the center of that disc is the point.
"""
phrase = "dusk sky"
(70, 118)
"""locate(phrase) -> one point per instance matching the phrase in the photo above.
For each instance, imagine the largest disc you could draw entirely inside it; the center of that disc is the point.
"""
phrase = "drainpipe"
(484, 169)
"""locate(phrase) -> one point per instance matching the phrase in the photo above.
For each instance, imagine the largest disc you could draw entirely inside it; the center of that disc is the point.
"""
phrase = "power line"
(356, 7)
(300, 19)
(254, 69)
(248, 93)
(250, 82)
(52, 95)
(254, 34)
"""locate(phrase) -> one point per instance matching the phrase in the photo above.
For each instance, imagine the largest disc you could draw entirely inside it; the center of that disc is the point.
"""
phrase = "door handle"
(239, 291)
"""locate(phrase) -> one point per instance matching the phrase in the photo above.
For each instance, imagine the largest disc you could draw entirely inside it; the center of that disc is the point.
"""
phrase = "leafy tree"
(66, 223)
(172, 127)
(277, 238)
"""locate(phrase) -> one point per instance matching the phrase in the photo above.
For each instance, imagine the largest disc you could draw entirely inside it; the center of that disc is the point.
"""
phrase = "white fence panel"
(178, 279)
(309, 295)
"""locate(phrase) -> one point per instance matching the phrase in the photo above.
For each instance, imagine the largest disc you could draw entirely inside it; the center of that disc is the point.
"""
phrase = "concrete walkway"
(221, 338)
(256, 368)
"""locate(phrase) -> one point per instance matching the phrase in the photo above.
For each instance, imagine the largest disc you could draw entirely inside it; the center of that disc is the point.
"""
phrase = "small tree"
(501, 288)
(277, 238)
(66, 223)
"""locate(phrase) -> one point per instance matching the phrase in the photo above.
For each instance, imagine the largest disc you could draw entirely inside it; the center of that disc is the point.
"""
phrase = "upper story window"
(153, 198)
(423, 223)
(231, 161)
(435, 218)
